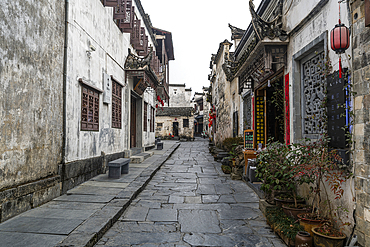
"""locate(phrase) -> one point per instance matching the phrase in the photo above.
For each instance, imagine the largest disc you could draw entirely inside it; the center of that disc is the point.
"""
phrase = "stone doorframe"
(320, 43)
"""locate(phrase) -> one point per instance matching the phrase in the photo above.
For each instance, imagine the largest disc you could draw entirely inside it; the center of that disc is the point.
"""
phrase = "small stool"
(159, 145)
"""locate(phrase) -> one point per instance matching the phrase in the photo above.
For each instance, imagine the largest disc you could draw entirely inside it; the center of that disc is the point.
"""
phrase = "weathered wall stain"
(31, 47)
(31, 51)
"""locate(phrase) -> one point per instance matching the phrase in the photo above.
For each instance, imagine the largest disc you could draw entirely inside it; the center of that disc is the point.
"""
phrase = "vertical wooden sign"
(260, 120)
(287, 110)
(367, 13)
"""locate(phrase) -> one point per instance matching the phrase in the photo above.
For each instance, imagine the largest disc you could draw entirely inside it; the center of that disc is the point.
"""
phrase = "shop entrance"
(269, 112)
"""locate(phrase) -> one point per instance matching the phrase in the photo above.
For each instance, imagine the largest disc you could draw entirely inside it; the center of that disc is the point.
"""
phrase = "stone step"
(135, 151)
(140, 157)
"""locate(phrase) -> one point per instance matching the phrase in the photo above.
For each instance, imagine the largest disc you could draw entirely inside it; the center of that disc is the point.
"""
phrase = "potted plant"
(233, 154)
(319, 164)
(276, 171)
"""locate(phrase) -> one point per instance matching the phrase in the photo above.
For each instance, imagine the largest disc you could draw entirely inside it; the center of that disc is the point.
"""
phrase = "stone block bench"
(118, 167)
(159, 145)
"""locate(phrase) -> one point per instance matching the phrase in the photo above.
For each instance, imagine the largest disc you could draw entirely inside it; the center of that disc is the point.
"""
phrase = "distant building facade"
(176, 121)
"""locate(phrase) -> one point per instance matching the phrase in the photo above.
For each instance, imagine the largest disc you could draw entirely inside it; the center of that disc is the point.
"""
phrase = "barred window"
(145, 116)
(185, 123)
(116, 105)
(159, 124)
(89, 109)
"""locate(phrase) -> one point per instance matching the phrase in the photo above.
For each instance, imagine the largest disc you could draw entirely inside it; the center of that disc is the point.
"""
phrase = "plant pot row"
(310, 224)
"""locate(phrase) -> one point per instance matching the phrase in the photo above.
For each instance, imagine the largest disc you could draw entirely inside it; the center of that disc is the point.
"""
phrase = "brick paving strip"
(85, 213)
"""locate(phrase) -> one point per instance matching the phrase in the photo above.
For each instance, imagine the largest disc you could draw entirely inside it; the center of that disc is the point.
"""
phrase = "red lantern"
(339, 40)
(156, 106)
(158, 98)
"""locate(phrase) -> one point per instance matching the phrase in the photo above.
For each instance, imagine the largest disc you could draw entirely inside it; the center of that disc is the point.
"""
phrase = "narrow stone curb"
(116, 207)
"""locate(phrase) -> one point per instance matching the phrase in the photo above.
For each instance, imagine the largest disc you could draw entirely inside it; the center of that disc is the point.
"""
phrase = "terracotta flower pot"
(293, 212)
(308, 224)
(303, 239)
(327, 241)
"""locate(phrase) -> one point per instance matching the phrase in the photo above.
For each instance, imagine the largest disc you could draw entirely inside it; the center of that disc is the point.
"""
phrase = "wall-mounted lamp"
(269, 83)
(91, 49)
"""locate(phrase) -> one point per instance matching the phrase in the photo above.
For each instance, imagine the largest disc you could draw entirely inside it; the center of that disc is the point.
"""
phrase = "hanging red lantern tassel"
(340, 67)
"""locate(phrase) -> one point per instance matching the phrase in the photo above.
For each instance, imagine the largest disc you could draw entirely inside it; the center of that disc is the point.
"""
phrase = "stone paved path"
(190, 202)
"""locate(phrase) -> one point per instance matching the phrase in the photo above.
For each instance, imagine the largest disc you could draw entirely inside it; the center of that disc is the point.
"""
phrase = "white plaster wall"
(90, 23)
(179, 97)
(188, 96)
(294, 10)
(149, 97)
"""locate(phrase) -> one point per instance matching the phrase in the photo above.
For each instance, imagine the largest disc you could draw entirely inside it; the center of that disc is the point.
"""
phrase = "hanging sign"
(140, 87)
(260, 120)
(287, 110)
(248, 139)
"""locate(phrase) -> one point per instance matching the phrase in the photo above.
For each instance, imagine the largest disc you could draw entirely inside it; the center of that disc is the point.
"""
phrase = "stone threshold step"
(138, 158)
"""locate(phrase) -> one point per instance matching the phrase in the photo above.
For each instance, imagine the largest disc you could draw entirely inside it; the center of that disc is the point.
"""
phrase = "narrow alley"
(191, 202)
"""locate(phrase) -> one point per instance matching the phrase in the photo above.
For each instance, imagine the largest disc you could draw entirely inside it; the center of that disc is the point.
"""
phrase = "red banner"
(287, 110)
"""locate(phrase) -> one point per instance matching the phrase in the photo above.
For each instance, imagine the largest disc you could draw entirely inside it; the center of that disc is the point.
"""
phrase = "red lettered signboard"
(287, 110)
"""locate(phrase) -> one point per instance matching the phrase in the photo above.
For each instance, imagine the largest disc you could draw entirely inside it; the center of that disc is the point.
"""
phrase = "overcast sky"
(197, 27)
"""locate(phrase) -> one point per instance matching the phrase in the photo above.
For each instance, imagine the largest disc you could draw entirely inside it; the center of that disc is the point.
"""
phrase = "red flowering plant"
(316, 165)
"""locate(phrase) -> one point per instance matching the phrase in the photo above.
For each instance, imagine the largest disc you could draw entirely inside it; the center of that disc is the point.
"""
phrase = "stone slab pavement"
(86, 212)
(191, 202)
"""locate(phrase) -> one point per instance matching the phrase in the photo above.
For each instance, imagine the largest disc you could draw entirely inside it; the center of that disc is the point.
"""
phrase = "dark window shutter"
(145, 116)
(116, 105)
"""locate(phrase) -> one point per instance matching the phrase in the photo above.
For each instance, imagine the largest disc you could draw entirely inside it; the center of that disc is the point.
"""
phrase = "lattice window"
(185, 123)
(143, 49)
(116, 105)
(314, 87)
(135, 34)
(124, 14)
(89, 109)
(145, 116)
(155, 63)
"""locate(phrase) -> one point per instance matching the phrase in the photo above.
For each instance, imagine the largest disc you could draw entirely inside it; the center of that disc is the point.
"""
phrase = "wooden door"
(175, 126)
(133, 123)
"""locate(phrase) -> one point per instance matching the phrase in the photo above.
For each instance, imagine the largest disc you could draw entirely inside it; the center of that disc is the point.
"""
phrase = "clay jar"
(303, 239)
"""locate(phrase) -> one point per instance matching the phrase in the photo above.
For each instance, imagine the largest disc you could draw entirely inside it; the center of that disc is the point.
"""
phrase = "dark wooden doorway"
(275, 111)
(175, 126)
(133, 123)
(235, 124)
